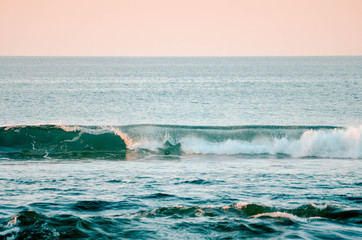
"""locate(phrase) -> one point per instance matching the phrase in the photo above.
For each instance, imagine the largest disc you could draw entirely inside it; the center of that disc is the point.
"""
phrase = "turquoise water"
(190, 148)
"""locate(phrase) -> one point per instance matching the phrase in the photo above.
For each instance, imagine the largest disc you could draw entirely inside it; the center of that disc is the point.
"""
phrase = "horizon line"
(180, 56)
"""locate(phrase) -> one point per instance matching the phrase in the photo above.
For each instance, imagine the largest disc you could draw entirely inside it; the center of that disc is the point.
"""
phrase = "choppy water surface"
(180, 148)
(185, 196)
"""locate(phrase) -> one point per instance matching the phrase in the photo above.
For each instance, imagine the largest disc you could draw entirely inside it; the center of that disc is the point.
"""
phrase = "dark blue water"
(190, 148)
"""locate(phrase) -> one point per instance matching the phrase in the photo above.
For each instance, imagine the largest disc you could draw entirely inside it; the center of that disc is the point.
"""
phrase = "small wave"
(278, 215)
(196, 181)
(91, 205)
(252, 210)
(53, 141)
(159, 195)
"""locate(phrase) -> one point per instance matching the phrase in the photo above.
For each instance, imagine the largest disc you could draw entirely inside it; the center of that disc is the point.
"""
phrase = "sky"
(180, 27)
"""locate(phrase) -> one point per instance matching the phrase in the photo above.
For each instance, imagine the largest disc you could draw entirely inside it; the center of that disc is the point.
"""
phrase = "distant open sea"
(181, 147)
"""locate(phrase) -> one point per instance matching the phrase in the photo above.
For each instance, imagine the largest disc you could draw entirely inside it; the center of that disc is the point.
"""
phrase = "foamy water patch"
(279, 215)
(338, 143)
(201, 146)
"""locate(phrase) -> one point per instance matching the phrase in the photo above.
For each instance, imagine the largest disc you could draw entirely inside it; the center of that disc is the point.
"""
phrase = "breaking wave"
(58, 141)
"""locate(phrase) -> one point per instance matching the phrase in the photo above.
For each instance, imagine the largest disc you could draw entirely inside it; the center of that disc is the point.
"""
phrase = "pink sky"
(180, 27)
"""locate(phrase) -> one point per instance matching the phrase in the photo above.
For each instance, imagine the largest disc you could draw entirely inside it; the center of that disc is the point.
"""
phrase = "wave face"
(56, 141)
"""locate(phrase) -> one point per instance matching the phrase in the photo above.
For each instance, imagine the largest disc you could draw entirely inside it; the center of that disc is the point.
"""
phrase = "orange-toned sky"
(180, 27)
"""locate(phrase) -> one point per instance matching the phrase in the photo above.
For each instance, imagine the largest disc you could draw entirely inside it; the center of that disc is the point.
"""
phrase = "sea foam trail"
(114, 141)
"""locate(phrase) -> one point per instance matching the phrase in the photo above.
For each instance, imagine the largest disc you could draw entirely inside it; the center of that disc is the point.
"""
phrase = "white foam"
(278, 215)
(339, 143)
(323, 143)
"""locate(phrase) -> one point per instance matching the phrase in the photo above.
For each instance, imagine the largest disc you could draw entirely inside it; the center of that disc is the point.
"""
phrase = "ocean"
(181, 147)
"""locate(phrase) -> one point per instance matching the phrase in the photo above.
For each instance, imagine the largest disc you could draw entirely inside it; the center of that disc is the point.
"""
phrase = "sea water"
(180, 147)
